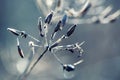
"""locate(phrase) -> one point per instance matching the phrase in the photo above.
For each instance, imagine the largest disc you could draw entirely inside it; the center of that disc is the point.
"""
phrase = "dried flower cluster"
(49, 44)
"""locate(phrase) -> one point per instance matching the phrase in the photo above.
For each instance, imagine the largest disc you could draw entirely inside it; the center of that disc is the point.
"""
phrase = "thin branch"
(26, 75)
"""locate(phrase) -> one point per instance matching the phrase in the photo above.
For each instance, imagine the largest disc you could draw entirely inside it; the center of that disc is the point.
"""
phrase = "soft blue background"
(102, 47)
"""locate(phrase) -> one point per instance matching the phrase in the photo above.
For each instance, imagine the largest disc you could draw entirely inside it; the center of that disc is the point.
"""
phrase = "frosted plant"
(80, 11)
(49, 44)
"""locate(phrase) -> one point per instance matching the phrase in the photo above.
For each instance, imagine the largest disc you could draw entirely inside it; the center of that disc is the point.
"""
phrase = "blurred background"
(102, 43)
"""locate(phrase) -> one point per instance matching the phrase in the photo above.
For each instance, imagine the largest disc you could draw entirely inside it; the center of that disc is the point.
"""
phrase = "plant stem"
(28, 65)
(27, 74)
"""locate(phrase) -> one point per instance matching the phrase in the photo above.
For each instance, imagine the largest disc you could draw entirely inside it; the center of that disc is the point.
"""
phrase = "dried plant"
(49, 44)
(52, 45)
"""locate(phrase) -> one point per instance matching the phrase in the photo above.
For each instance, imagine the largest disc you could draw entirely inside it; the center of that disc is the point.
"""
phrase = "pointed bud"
(17, 32)
(20, 52)
(40, 26)
(19, 49)
(71, 30)
(14, 31)
(64, 20)
(57, 28)
(68, 67)
(49, 17)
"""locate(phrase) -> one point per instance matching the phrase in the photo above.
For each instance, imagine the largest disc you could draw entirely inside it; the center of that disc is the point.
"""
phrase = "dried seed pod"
(40, 26)
(68, 67)
(70, 31)
(20, 52)
(57, 28)
(14, 31)
(49, 17)
(64, 20)
(19, 49)
(17, 32)
(71, 67)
